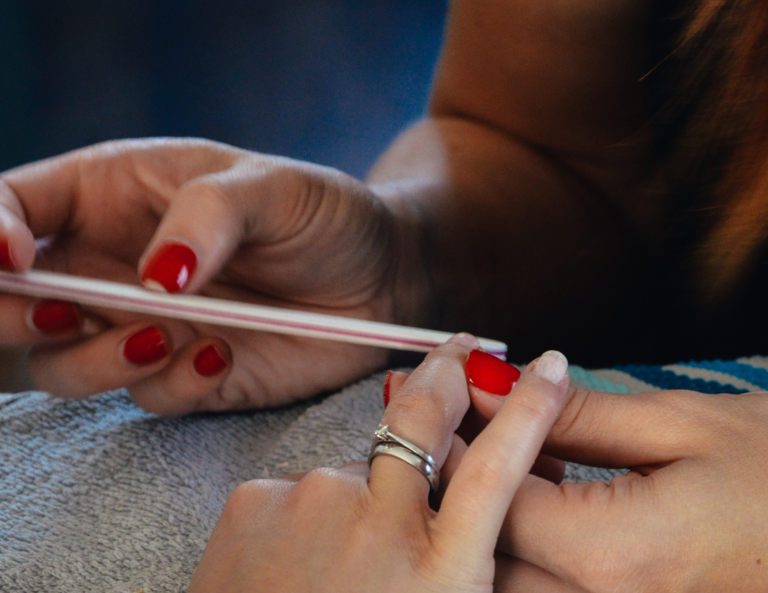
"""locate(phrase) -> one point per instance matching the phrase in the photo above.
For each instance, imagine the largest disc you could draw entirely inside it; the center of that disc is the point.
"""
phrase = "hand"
(242, 226)
(692, 515)
(338, 530)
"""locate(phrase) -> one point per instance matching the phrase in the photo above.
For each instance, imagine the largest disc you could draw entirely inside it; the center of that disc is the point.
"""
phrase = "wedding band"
(387, 443)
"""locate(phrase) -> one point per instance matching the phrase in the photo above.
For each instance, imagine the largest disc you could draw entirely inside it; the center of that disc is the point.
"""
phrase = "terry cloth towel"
(98, 495)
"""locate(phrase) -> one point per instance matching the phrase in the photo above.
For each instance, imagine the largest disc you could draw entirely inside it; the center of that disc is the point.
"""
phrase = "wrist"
(412, 292)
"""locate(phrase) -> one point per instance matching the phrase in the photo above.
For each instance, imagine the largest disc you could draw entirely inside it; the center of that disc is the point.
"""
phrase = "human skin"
(527, 200)
(690, 516)
(326, 245)
(512, 200)
(343, 530)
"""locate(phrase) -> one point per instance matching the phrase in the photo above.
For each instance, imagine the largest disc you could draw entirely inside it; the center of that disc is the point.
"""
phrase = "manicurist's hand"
(196, 216)
(343, 530)
(691, 516)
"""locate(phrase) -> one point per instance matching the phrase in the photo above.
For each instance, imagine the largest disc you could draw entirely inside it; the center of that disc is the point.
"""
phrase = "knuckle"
(430, 409)
(246, 493)
(325, 488)
(536, 407)
(318, 482)
(574, 421)
(212, 195)
(488, 473)
(245, 499)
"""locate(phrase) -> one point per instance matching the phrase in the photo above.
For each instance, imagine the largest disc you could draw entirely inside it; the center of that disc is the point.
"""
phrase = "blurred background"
(330, 81)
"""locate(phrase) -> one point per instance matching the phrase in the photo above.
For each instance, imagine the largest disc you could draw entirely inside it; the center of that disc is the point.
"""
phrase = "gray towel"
(98, 495)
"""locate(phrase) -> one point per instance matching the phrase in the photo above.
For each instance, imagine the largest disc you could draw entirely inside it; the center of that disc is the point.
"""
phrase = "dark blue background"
(331, 81)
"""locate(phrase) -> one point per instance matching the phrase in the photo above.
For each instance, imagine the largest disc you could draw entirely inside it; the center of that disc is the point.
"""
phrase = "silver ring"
(387, 443)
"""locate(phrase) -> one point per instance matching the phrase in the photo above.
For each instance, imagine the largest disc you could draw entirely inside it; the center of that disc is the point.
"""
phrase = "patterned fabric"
(737, 376)
(97, 495)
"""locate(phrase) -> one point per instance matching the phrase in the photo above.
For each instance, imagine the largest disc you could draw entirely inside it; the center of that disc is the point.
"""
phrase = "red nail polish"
(170, 268)
(56, 317)
(387, 382)
(145, 347)
(491, 374)
(6, 263)
(209, 362)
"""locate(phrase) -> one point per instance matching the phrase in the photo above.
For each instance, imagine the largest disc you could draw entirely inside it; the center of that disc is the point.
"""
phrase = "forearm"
(514, 245)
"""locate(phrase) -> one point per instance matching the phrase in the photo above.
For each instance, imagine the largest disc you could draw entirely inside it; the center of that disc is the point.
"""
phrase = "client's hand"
(341, 530)
(197, 216)
(692, 515)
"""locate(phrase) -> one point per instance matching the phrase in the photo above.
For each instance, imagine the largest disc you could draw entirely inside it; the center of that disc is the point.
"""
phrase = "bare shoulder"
(563, 74)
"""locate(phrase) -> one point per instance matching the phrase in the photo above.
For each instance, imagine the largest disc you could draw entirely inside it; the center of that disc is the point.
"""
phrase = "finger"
(49, 190)
(564, 529)
(617, 430)
(25, 321)
(630, 430)
(546, 467)
(17, 244)
(514, 575)
(452, 462)
(488, 371)
(498, 460)
(212, 215)
(45, 191)
(191, 382)
(492, 377)
(426, 411)
(392, 384)
(114, 358)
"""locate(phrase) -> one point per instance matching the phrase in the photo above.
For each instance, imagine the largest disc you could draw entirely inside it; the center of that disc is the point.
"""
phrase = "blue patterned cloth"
(735, 376)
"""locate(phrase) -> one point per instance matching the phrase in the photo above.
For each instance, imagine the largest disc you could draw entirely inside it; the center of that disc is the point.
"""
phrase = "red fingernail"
(491, 374)
(387, 381)
(5, 256)
(209, 362)
(170, 268)
(145, 347)
(56, 317)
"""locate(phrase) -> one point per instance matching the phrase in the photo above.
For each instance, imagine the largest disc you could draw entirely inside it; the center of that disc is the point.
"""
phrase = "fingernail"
(56, 317)
(170, 268)
(552, 366)
(387, 382)
(465, 339)
(90, 328)
(145, 347)
(209, 362)
(6, 263)
(491, 374)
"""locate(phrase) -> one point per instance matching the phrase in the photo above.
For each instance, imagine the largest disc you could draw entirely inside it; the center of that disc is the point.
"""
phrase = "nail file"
(113, 295)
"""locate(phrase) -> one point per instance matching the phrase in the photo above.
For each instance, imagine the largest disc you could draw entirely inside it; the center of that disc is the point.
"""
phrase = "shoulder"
(559, 73)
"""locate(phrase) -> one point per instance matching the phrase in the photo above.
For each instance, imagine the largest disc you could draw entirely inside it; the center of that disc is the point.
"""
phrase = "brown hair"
(712, 129)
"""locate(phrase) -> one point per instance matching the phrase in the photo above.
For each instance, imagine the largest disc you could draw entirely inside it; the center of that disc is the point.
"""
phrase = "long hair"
(711, 126)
